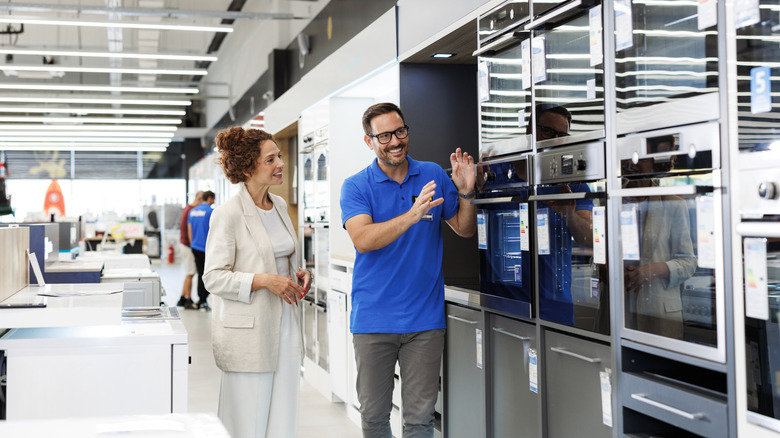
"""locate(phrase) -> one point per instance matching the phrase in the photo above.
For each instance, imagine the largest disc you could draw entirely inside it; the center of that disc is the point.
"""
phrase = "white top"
(281, 240)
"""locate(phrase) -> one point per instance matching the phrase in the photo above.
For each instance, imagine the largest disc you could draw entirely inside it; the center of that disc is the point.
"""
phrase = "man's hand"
(463, 172)
(425, 202)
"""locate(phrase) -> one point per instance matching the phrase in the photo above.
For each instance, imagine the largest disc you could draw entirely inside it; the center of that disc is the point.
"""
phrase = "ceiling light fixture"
(78, 120)
(95, 101)
(442, 55)
(62, 135)
(126, 55)
(120, 24)
(10, 68)
(137, 112)
(5, 128)
(107, 88)
(61, 140)
(112, 147)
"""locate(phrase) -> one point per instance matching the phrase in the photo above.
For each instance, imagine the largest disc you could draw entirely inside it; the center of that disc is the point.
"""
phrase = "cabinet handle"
(461, 319)
(522, 338)
(578, 356)
(642, 398)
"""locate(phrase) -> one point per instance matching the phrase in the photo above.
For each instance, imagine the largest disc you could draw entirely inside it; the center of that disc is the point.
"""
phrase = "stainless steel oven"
(759, 230)
(671, 231)
(504, 234)
(504, 89)
(571, 230)
(567, 70)
(666, 68)
(757, 54)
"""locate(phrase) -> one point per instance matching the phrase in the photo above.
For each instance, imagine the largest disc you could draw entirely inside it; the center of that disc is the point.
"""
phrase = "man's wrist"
(468, 195)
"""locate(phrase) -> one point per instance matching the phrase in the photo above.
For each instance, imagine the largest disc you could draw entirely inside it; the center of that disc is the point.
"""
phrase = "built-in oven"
(322, 184)
(504, 234)
(666, 64)
(757, 55)
(570, 226)
(671, 231)
(759, 230)
(504, 83)
(567, 59)
(307, 182)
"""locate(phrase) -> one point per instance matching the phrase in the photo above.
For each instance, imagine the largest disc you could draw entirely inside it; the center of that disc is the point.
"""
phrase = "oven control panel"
(759, 185)
(583, 162)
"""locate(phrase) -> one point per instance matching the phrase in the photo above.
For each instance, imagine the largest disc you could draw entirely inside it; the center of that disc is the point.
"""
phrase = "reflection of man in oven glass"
(666, 256)
(570, 234)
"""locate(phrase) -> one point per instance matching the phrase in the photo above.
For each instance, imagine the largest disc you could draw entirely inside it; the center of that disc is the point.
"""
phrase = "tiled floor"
(318, 417)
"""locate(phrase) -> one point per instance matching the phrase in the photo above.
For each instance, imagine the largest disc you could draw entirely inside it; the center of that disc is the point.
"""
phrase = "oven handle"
(562, 350)
(561, 196)
(500, 200)
(561, 13)
(504, 332)
(643, 398)
(758, 229)
(664, 191)
(467, 321)
(498, 44)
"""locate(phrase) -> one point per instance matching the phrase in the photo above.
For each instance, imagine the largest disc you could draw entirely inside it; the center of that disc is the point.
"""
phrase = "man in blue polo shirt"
(392, 211)
(198, 228)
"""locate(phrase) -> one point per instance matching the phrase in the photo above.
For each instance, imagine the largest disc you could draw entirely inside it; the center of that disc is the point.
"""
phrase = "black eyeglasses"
(545, 132)
(385, 137)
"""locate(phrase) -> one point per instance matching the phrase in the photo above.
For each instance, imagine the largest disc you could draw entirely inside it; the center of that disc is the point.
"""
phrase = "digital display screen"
(567, 164)
(663, 143)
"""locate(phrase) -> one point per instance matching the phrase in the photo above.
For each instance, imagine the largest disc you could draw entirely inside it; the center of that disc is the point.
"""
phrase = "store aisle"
(318, 417)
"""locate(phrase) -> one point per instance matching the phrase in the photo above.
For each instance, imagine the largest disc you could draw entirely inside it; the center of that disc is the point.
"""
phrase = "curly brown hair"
(239, 150)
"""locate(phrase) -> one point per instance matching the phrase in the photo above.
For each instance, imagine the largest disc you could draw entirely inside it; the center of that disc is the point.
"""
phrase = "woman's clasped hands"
(290, 289)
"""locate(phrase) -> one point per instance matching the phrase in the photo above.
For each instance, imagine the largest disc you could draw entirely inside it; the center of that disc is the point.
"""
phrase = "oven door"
(671, 257)
(666, 66)
(571, 262)
(322, 186)
(505, 100)
(758, 99)
(505, 253)
(567, 70)
(309, 210)
(761, 246)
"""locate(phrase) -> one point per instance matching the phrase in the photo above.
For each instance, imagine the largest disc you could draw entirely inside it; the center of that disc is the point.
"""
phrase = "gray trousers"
(419, 356)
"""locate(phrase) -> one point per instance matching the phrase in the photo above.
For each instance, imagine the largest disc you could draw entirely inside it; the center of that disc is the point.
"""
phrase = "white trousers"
(261, 405)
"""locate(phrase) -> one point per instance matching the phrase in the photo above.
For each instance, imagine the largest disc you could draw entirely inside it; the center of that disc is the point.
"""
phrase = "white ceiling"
(52, 103)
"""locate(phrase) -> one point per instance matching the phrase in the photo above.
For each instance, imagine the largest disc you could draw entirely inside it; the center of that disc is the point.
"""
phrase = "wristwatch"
(468, 195)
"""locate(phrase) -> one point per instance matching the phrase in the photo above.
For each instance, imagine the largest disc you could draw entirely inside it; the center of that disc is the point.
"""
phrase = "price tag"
(483, 81)
(596, 39)
(760, 90)
(599, 235)
(524, 242)
(629, 232)
(525, 48)
(756, 290)
(479, 348)
(606, 397)
(624, 26)
(707, 12)
(533, 383)
(481, 231)
(705, 231)
(542, 232)
(539, 59)
(748, 13)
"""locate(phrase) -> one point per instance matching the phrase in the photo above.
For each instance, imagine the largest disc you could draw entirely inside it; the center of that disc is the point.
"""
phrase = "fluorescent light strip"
(124, 55)
(4, 144)
(138, 71)
(119, 24)
(160, 136)
(79, 120)
(88, 140)
(8, 145)
(149, 112)
(96, 148)
(95, 101)
(5, 128)
(108, 88)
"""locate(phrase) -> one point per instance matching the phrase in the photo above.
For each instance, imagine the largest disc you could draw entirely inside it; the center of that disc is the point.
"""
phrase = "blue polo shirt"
(399, 288)
(199, 219)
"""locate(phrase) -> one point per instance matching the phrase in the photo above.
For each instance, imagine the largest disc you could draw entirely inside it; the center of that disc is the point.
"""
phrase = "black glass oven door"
(758, 97)
(567, 73)
(571, 248)
(504, 251)
(666, 66)
(761, 280)
(671, 255)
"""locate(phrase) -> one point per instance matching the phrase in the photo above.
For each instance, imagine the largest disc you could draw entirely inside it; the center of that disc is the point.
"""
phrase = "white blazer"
(245, 324)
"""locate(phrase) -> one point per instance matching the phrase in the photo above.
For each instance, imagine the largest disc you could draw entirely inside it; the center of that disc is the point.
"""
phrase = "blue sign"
(760, 90)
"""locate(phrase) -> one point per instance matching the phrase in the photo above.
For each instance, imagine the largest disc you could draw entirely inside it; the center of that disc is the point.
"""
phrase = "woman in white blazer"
(251, 270)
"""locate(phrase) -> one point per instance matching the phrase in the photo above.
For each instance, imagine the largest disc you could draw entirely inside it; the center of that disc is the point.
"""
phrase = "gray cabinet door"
(515, 407)
(573, 386)
(464, 384)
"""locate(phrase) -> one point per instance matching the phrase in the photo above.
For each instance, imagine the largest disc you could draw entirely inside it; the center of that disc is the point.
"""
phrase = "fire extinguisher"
(170, 253)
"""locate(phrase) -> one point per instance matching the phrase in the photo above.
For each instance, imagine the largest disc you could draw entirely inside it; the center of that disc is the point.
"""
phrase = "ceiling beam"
(155, 12)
